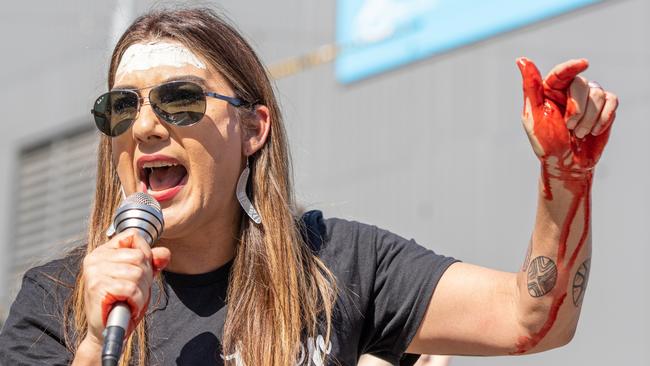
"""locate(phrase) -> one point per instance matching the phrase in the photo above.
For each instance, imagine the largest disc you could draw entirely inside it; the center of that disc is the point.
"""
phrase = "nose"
(148, 127)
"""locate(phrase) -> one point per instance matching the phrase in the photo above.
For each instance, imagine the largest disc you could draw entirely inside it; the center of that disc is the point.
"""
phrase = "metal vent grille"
(54, 190)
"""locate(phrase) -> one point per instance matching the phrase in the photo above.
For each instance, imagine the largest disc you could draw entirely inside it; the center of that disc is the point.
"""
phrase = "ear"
(256, 125)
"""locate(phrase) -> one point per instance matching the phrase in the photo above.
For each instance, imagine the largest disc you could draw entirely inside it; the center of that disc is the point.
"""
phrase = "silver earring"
(242, 197)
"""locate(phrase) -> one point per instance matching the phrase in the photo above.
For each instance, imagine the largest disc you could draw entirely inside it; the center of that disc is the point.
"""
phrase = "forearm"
(475, 310)
(88, 353)
(554, 274)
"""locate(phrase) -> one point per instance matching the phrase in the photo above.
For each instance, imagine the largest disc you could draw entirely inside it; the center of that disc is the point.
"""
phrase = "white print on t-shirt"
(316, 351)
(315, 354)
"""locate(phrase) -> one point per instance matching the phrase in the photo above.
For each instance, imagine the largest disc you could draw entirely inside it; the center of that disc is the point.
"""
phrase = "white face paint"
(140, 57)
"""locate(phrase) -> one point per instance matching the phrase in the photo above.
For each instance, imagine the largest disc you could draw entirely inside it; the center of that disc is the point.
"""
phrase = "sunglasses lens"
(179, 103)
(115, 111)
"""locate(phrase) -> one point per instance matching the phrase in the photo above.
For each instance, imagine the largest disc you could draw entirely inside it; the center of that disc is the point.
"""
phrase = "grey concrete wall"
(53, 62)
(433, 151)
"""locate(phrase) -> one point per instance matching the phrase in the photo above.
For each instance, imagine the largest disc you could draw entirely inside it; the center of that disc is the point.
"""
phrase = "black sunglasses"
(179, 103)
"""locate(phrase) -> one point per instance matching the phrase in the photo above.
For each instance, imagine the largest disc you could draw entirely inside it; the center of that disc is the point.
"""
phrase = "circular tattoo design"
(542, 274)
(580, 282)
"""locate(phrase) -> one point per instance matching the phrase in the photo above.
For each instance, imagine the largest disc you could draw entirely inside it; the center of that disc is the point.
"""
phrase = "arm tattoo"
(580, 282)
(542, 274)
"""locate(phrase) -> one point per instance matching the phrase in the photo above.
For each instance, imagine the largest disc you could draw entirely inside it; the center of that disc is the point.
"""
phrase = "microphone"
(141, 212)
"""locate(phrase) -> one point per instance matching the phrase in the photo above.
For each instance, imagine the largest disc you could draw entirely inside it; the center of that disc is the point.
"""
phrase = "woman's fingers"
(136, 295)
(607, 115)
(562, 75)
(161, 258)
(121, 270)
(157, 260)
(125, 242)
(589, 108)
(129, 272)
(125, 247)
(593, 109)
(132, 237)
(132, 256)
(532, 82)
(119, 280)
(559, 79)
(127, 290)
(576, 101)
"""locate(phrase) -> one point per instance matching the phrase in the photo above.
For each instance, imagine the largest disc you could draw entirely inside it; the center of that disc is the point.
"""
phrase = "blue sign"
(377, 35)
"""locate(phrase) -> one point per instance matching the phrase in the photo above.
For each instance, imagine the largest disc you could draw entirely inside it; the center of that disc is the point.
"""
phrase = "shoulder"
(336, 236)
(320, 232)
(64, 269)
(34, 331)
(55, 278)
(347, 246)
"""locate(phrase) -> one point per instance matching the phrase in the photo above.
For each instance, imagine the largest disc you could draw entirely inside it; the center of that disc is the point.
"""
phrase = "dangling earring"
(242, 197)
(123, 194)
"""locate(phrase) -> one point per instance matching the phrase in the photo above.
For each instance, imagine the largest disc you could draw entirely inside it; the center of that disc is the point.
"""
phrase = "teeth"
(158, 164)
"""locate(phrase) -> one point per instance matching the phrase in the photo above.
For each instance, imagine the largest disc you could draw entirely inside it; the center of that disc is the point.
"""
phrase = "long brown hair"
(279, 291)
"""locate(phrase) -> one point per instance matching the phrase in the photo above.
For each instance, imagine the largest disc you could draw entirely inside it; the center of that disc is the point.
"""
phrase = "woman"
(191, 113)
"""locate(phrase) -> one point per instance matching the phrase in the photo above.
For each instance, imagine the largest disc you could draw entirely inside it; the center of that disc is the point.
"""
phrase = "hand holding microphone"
(118, 275)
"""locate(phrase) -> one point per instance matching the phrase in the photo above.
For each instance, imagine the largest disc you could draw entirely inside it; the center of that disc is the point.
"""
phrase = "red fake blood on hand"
(136, 314)
(159, 264)
(110, 300)
(571, 108)
(564, 157)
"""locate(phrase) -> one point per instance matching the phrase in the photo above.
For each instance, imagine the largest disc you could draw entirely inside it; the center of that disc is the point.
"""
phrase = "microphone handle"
(116, 326)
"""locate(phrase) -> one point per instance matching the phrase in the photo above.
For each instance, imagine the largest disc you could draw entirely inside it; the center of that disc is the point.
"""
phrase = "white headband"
(140, 57)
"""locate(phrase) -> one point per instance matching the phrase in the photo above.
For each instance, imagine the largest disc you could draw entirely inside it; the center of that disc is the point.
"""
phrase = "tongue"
(165, 178)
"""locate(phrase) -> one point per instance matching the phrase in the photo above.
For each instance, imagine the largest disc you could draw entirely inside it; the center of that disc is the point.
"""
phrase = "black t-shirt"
(385, 283)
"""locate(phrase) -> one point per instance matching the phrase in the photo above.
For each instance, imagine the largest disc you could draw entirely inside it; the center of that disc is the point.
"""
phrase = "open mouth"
(163, 179)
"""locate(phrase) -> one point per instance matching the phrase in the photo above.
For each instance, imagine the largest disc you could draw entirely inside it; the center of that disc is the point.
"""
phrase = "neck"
(204, 250)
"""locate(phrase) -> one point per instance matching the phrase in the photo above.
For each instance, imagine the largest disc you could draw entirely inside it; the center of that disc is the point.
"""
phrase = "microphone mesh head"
(142, 199)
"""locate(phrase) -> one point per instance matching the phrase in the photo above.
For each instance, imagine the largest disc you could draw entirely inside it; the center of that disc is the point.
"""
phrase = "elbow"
(539, 333)
(558, 340)
(531, 343)
(564, 338)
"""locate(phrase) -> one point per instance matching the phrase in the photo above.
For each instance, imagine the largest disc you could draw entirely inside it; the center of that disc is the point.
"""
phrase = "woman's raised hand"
(122, 269)
(567, 118)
